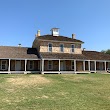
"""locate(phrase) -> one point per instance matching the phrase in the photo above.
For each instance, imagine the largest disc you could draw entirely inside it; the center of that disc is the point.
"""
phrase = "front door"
(18, 66)
(62, 65)
(101, 65)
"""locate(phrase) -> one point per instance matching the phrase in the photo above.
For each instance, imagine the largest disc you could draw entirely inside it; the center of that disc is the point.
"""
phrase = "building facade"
(52, 54)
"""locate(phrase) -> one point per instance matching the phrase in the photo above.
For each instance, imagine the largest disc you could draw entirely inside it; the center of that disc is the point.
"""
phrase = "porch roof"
(62, 56)
(94, 55)
(18, 52)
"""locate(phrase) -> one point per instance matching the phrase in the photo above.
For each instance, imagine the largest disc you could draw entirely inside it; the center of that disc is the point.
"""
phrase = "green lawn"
(55, 92)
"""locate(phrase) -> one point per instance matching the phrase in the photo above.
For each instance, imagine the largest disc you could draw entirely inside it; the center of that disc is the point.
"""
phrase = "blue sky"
(88, 19)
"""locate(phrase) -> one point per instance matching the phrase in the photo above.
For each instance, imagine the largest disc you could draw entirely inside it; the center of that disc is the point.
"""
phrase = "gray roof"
(49, 55)
(86, 55)
(18, 52)
(94, 55)
(58, 38)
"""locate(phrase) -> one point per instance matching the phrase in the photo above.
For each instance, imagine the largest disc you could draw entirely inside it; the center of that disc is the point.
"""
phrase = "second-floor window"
(72, 48)
(61, 48)
(50, 47)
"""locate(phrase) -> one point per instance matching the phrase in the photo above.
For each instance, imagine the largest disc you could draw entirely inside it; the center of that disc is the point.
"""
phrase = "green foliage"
(63, 92)
(106, 51)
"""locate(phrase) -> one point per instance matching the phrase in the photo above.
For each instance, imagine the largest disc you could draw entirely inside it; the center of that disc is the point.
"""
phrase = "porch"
(19, 66)
(62, 66)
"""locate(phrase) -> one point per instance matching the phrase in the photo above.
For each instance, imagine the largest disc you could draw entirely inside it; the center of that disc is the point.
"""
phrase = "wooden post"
(9, 66)
(89, 65)
(105, 66)
(74, 65)
(84, 65)
(42, 66)
(25, 66)
(59, 66)
(95, 66)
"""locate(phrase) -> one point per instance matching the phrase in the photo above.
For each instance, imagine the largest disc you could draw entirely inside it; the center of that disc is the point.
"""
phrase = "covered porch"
(19, 66)
(73, 66)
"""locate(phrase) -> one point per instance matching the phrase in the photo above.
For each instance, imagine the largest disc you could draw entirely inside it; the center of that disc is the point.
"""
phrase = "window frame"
(72, 49)
(50, 47)
(4, 64)
(50, 64)
(61, 48)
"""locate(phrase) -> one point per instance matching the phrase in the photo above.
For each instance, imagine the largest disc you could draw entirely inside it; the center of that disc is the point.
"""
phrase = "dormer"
(55, 31)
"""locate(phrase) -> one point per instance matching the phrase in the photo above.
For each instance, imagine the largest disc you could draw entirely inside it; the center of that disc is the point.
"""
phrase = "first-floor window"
(31, 65)
(3, 64)
(72, 65)
(50, 65)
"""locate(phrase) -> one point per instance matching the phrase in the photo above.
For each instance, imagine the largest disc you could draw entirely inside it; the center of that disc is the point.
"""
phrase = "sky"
(88, 19)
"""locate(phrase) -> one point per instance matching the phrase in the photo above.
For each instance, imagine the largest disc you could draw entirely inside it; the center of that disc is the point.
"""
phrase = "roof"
(58, 38)
(18, 52)
(49, 55)
(86, 55)
(94, 55)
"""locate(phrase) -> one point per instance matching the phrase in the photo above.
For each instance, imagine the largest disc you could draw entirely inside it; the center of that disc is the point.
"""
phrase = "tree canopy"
(106, 51)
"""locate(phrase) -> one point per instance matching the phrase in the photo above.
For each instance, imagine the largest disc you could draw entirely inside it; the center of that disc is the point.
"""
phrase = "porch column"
(89, 65)
(95, 66)
(74, 65)
(9, 66)
(105, 65)
(59, 64)
(25, 64)
(84, 65)
(42, 66)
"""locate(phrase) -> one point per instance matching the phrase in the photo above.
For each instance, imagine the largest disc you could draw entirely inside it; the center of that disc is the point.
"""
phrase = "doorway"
(18, 65)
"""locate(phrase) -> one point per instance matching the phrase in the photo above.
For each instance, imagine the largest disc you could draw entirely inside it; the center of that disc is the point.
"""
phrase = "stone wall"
(56, 47)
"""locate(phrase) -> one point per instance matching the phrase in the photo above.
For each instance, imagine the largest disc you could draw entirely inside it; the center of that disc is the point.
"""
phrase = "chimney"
(38, 33)
(19, 45)
(73, 36)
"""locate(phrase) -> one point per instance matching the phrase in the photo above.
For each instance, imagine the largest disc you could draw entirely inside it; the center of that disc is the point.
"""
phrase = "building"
(52, 54)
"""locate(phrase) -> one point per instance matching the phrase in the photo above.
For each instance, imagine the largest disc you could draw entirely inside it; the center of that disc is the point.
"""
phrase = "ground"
(55, 92)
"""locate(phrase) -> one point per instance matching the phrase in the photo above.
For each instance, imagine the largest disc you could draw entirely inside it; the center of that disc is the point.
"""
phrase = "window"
(31, 65)
(72, 65)
(50, 47)
(61, 48)
(3, 64)
(72, 48)
(50, 65)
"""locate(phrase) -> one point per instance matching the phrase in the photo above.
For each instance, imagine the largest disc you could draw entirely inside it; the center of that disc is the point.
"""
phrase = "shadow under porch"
(19, 66)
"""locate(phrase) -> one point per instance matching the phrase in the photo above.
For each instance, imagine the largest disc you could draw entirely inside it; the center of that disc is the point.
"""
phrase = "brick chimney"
(73, 36)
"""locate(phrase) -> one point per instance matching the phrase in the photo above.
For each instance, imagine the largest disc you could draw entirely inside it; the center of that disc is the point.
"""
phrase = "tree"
(106, 51)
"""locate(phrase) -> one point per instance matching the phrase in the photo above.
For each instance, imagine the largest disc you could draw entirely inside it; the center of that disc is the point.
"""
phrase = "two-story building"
(52, 54)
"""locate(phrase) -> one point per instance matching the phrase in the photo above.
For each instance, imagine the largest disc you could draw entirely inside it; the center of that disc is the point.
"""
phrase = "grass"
(55, 92)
